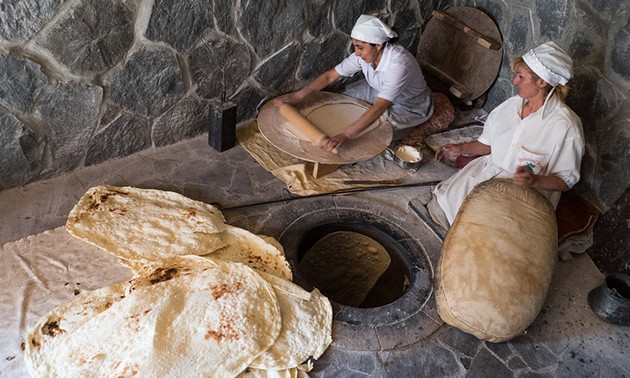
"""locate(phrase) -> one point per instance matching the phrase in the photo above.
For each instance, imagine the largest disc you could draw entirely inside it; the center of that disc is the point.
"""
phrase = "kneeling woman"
(394, 83)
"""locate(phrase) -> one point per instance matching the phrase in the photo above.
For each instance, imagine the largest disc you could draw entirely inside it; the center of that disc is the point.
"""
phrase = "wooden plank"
(321, 170)
(456, 88)
(481, 39)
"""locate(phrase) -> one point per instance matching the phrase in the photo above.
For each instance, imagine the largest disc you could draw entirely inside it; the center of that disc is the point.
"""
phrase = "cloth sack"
(497, 261)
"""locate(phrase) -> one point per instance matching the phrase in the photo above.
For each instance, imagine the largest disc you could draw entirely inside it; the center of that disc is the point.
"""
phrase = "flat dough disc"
(331, 113)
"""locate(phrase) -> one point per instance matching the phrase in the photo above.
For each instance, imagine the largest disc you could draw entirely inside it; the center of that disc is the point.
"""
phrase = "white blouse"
(397, 78)
(550, 141)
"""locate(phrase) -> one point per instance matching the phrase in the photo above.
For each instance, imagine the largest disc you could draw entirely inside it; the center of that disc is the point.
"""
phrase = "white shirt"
(551, 140)
(397, 78)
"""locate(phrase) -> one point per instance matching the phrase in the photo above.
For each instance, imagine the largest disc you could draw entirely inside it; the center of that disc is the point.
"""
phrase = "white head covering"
(372, 30)
(550, 63)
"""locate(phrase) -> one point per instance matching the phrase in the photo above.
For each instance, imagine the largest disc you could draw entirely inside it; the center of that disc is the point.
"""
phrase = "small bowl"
(407, 157)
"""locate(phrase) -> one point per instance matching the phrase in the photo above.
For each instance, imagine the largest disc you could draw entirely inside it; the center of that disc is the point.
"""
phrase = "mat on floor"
(297, 174)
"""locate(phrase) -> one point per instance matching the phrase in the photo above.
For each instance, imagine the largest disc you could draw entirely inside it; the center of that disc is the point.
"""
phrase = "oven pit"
(353, 264)
(398, 309)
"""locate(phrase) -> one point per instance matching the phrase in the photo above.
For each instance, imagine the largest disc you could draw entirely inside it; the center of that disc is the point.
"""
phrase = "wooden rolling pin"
(302, 127)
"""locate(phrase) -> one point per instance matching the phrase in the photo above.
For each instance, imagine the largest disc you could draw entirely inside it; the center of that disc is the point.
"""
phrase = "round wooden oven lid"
(462, 47)
(331, 113)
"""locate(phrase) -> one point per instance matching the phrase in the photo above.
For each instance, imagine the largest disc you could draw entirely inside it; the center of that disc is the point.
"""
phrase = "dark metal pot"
(611, 300)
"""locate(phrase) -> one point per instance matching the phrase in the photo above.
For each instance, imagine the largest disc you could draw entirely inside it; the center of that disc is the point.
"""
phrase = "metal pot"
(611, 300)
(407, 157)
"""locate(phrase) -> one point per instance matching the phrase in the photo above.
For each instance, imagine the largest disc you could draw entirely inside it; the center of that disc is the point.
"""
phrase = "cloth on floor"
(297, 174)
(443, 115)
(576, 219)
(437, 214)
(575, 244)
(39, 273)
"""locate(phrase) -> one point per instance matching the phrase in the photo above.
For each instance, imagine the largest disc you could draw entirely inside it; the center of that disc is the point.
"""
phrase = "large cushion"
(497, 261)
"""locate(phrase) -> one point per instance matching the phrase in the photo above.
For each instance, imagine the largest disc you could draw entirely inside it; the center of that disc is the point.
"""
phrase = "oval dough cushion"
(497, 261)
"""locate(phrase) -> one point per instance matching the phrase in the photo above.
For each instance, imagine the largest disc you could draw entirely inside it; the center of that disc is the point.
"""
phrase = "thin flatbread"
(183, 316)
(264, 254)
(52, 331)
(260, 373)
(255, 251)
(306, 327)
(135, 224)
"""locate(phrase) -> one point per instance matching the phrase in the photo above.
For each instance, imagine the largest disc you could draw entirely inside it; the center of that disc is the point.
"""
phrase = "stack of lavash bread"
(207, 299)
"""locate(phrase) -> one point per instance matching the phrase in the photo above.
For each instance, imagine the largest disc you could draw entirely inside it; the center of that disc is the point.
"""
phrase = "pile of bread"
(206, 299)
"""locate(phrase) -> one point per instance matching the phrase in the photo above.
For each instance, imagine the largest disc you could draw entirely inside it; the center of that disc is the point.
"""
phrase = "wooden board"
(331, 112)
(462, 47)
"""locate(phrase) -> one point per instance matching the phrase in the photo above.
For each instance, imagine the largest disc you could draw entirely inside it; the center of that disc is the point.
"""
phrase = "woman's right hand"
(331, 144)
(448, 151)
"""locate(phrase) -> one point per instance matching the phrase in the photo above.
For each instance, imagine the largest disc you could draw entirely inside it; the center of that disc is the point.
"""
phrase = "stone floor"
(566, 340)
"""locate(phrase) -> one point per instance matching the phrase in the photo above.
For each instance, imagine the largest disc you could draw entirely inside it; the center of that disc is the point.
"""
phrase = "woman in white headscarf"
(393, 82)
(533, 138)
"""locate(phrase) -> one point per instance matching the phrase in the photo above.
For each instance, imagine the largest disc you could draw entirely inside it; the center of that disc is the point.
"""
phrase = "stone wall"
(85, 81)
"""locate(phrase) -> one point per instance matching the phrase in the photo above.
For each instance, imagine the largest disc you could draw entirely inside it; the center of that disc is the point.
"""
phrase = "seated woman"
(534, 137)
(394, 83)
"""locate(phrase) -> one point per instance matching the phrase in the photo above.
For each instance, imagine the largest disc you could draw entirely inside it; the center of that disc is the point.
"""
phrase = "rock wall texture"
(86, 81)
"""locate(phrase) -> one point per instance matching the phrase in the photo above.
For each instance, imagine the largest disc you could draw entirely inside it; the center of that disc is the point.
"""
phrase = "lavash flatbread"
(241, 246)
(260, 373)
(151, 231)
(135, 224)
(140, 225)
(306, 327)
(190, 316)
(254, 251)
(53, 329)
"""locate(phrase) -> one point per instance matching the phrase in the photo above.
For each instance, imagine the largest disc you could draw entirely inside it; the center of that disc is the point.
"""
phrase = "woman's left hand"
(524, 176)
(289, 98)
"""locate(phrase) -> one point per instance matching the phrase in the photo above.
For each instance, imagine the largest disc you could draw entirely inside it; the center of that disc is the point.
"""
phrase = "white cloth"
(370, 29)
(397, 78)
(552, 135)
(550, 63)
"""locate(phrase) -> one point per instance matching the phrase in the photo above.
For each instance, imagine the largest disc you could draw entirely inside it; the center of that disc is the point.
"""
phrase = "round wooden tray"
(463, 48)
(331, 113)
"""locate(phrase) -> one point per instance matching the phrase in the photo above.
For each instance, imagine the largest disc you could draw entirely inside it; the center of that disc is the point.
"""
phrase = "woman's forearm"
(550, 183)
(525, 176)
(320, 82)
(367, 118)
(474, 148)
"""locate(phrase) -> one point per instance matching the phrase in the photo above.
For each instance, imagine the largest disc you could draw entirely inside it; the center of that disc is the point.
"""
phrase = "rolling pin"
(302, 127)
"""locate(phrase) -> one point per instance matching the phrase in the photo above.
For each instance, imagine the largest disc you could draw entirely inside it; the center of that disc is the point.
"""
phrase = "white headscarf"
(550, 63)
(372, 30)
